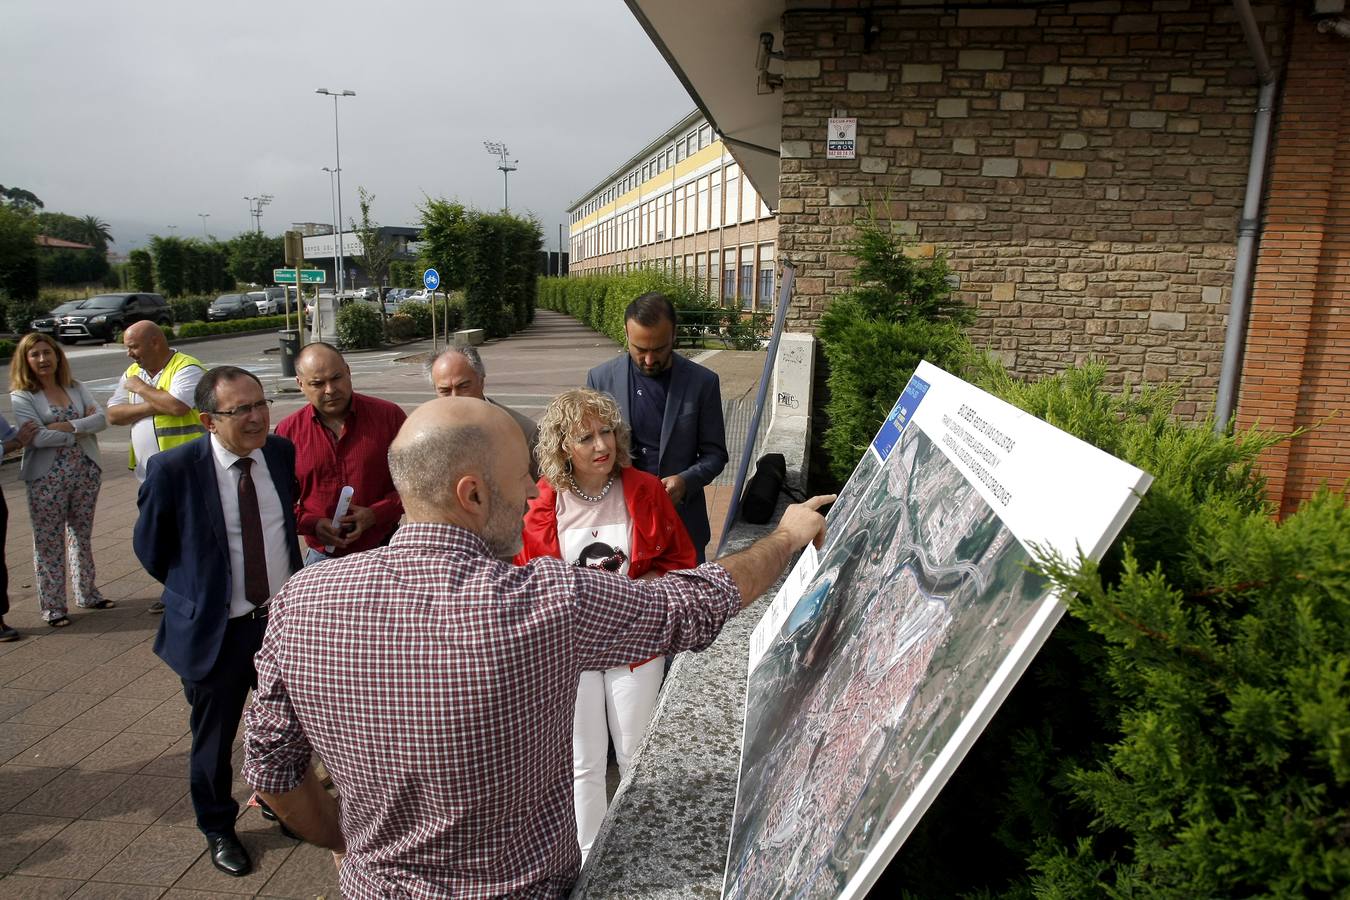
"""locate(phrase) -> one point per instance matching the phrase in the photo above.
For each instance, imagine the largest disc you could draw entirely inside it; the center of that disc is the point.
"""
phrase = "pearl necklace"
(585, 496)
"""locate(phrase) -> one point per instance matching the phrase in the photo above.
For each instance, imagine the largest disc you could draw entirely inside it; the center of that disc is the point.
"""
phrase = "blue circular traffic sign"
(431, 278)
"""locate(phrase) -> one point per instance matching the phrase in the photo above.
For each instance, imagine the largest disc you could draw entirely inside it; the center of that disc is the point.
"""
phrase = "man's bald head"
(463, 461)
(146, 345)
(325, 380)
(318, 355)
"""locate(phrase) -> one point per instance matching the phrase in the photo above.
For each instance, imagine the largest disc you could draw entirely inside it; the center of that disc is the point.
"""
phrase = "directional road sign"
(307, 276)
(432, 279)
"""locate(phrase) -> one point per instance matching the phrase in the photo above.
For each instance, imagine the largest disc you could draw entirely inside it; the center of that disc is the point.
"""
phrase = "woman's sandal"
(59, 622)
(102, 604)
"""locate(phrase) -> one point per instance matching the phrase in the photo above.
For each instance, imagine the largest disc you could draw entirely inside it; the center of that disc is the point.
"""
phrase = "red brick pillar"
(1296, 369)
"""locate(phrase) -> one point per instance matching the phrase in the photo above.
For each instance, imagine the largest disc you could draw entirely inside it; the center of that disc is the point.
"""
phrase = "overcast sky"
(146, 114)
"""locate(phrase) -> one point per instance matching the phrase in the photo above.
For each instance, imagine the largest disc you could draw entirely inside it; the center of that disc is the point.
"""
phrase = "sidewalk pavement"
(93, 726)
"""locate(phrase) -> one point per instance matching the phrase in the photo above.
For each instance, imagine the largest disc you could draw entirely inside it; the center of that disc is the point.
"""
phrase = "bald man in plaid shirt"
(437, 682)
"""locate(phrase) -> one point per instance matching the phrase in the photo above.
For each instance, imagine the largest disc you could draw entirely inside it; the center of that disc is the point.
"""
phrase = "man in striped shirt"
(437, 682)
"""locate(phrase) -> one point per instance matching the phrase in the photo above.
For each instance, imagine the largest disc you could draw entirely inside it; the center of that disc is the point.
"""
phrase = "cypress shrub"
(1183, 731)
(359, 326)
(899, 313)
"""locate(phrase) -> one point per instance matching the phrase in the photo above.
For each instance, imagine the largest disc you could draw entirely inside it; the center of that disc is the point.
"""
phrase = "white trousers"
(615, 703)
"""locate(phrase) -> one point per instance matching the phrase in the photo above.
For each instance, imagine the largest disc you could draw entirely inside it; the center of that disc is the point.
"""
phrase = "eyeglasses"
(243, 410)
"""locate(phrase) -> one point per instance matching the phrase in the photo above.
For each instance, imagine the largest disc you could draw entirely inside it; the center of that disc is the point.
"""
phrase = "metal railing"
(728, 328)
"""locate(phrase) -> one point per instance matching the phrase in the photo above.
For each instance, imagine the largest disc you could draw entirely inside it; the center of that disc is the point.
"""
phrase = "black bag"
(761, 492)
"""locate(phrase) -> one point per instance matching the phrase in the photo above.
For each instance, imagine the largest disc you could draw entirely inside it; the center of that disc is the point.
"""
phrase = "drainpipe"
(1244, 266)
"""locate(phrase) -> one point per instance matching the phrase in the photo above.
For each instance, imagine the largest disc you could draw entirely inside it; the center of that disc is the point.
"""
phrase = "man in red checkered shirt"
(437, 682)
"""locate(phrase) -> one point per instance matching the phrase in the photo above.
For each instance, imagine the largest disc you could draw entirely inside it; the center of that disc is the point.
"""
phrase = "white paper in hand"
(344, 501)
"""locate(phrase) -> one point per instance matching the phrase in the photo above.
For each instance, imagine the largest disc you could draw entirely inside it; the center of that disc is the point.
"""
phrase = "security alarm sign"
(842, 141)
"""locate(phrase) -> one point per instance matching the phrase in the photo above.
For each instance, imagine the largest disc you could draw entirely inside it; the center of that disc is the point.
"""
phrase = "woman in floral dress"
(61, 468)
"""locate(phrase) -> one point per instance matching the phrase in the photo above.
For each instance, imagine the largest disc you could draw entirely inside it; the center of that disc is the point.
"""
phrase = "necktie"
(256, 589)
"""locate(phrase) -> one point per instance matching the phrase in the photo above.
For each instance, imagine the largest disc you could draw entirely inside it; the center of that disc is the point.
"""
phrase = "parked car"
(261, 301)
(47, 324)
(231, 306)
(103, 316)
(393, 297)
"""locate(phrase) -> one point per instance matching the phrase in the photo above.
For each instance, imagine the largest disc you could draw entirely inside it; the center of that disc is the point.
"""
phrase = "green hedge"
(233, 326)
(600, 300)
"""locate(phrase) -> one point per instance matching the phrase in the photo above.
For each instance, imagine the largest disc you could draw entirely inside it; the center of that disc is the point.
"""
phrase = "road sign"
(307, 276)
(432, 279)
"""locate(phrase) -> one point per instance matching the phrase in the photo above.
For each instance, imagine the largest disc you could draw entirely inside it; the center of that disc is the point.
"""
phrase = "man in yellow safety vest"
(155, 398)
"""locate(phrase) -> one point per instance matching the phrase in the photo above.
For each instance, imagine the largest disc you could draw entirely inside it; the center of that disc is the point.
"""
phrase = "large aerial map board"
(880, 662)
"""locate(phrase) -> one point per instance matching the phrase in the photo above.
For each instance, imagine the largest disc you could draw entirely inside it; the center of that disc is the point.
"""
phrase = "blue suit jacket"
(180, 539)
(693, 435)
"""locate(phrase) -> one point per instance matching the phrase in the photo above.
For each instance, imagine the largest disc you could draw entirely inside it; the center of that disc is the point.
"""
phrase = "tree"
(141, 270)
(18, 254)
(253, 256)
(376, 252)
(19, 199)
(446, 241)
(96, 232)
(170, 265)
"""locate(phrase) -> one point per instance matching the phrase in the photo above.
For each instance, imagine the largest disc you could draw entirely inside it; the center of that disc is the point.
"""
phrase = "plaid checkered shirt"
(437, 684)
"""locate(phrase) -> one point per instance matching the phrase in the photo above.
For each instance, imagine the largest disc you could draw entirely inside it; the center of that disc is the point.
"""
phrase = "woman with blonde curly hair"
(595, 509)
(62, 470)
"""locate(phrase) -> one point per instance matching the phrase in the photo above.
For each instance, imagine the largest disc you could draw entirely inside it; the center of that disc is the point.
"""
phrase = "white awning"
(712, 46)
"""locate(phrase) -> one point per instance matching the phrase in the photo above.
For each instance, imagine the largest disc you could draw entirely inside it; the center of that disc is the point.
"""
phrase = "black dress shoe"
(270, 815)
(228, 855)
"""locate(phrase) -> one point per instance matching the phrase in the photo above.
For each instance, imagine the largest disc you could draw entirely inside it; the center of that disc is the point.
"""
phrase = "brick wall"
(1296, 371)
(1081, 166)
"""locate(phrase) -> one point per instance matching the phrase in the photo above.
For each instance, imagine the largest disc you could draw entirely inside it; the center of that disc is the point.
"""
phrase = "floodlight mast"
(506, 166)
(337, 147)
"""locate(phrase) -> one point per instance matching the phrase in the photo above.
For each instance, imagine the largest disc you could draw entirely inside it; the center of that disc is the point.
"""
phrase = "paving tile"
(17, 782)
(140, 799)
(127, 752)
(156, 684)
(140, 653)
(169, 716)
(64, 747)
(94, 890)
(183, 894)
(105, 680)
(171, 762)
(19, 662)
(55, 709)
(48, 676)
(21, 835)
(79, 850)
(180, 814)
(21, 887)
(158, 856)
(307, 872)
(113, 713)
(70, 793)
(268, 850)
(16, 738)
(15, 700)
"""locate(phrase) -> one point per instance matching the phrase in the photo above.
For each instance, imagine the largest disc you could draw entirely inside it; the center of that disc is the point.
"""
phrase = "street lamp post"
(204, 217)
(337, 148)
(506, 166)
(333, 192)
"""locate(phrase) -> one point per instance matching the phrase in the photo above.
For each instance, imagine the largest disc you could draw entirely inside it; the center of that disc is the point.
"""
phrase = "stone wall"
(1081, 166)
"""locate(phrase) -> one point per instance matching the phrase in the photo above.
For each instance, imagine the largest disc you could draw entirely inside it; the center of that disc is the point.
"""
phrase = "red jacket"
(660, 542)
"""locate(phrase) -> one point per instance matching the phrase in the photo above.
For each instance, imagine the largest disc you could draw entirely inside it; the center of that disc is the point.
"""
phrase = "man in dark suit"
(674, 408)
(217, 529)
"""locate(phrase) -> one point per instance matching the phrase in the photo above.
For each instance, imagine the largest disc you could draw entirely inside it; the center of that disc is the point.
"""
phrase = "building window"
(703, 203)
(732, 214)
(747, 280)
(766, 276)
(677, 230)
(749, 201)
(701, 271)
(715, 201)
(728, 277)
(705, 136)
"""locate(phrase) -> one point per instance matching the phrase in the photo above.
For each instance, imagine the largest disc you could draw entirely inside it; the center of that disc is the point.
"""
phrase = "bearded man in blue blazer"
(217, 529)
(674, 408)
